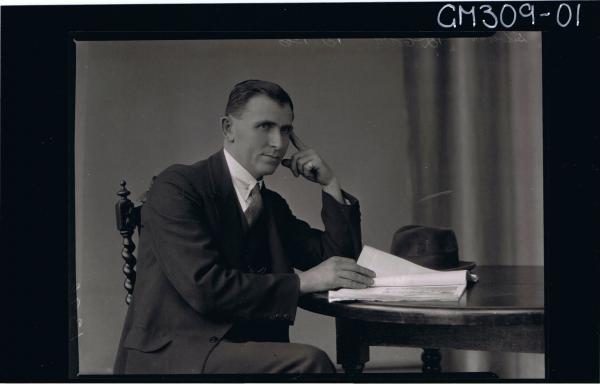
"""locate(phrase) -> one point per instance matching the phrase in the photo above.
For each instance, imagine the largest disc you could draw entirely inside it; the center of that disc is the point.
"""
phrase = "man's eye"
(286, 130)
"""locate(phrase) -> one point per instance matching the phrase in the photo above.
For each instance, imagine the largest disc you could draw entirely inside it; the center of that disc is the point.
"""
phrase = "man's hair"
(244, 91)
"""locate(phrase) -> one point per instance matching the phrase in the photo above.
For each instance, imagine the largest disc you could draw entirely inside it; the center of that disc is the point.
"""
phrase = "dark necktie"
(255, 205)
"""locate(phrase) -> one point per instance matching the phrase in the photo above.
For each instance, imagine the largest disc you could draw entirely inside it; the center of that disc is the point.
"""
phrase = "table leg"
(351, 345)
(431, 358)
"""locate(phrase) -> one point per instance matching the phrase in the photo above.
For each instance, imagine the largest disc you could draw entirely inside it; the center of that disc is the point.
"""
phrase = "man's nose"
(275, 138)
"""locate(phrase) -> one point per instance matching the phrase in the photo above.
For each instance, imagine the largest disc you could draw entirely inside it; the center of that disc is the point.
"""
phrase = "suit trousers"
(253, 357)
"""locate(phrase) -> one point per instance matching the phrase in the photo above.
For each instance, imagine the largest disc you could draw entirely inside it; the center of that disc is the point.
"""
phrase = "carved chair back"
(129, 218)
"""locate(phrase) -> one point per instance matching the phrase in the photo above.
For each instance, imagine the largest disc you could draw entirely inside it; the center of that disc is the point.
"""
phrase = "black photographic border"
(37, 211)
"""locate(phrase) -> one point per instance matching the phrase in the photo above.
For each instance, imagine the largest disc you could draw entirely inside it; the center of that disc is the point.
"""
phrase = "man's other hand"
(308, 163)
(335, 272)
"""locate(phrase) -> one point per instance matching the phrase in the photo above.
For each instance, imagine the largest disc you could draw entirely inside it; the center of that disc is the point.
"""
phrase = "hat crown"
(435, 248)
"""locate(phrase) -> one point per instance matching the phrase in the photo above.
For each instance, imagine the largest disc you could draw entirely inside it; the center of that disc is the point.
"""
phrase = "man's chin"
(267, 170)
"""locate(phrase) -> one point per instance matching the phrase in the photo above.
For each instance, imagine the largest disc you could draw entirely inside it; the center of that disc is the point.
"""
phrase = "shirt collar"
(243, 181)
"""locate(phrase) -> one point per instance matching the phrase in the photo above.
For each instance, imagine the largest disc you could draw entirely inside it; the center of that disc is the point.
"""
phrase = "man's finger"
(305, 164)
(342, 259)
(294, 164)
(302, 157)
(357, 277)
(358, 269)
(288, 162)
(297, 142)
(299, 159)
(345, 283)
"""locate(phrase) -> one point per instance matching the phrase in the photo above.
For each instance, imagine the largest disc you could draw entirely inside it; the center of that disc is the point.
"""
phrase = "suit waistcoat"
(255, 248)
(257, 255)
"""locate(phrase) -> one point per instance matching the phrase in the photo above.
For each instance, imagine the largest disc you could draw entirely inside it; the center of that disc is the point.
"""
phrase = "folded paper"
(398, 279)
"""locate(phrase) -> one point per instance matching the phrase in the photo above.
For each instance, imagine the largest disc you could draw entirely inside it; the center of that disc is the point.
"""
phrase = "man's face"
(258, 138)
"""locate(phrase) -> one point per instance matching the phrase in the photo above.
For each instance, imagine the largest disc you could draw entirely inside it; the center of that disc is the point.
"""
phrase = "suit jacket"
(192, 283)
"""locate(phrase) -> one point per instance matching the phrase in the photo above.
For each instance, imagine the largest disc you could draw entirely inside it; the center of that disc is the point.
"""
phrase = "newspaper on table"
(398, 279)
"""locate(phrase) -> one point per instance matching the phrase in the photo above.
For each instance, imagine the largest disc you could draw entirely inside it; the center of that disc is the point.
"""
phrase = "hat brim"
(468, 265)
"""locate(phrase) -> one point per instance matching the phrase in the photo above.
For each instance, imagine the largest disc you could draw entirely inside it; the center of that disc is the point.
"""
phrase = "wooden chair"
(129, 218)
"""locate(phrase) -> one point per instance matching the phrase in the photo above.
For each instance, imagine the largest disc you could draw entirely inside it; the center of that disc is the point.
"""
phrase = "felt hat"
(434, 248)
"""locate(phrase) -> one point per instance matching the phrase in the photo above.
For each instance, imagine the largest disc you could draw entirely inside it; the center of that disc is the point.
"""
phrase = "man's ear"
(227, 126)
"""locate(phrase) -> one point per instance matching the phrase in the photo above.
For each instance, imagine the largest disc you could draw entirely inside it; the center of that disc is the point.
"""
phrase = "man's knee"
(313, 360)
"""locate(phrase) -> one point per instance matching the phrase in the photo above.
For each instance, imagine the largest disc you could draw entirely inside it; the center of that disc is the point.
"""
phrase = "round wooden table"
(504, 311)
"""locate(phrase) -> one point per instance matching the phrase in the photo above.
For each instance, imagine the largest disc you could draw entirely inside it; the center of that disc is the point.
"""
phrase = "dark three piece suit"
(205, 281)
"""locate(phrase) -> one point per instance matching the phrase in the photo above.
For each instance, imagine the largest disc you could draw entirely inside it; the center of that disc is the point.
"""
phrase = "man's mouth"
(274, 157)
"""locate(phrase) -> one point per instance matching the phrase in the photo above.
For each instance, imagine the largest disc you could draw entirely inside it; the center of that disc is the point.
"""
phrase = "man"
(216, 290)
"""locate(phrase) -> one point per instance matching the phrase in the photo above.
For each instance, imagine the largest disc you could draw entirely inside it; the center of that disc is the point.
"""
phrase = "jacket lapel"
(279, 262)
(228, 210)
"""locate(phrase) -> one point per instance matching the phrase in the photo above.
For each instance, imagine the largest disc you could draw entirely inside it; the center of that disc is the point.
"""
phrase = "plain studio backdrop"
(444, 132)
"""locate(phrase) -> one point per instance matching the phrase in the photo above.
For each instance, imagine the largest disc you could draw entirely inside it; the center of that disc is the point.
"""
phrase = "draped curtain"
(474, 115)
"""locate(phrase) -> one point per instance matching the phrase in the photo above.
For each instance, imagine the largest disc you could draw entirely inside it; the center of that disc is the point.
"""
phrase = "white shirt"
(243, 181)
